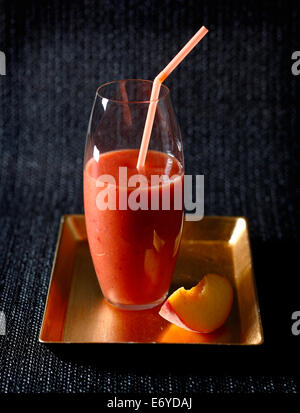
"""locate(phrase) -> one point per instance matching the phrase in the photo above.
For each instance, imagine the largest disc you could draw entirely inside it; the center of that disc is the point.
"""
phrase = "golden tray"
(76, 311)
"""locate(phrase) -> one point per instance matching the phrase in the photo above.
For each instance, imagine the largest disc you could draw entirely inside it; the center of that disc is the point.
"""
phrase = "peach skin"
(203, 308)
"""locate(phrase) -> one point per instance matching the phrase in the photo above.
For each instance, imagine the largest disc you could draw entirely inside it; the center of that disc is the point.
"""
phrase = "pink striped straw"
(160, 78)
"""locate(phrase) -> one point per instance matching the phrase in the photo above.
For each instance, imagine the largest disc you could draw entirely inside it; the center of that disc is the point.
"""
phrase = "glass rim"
(129, 102)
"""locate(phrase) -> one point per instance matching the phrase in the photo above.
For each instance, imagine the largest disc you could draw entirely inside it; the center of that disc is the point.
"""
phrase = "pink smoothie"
(134, 252)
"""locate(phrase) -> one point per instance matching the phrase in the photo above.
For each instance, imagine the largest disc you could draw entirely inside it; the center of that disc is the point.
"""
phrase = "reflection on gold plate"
(76, 311)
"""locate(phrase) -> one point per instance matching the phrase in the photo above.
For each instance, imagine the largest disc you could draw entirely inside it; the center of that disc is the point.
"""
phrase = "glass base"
(138, 307)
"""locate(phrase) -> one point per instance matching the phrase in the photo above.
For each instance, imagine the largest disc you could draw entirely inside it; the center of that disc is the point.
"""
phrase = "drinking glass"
(134, 232)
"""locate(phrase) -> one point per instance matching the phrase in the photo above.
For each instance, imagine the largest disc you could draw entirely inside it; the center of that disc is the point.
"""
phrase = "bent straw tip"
(202, 32)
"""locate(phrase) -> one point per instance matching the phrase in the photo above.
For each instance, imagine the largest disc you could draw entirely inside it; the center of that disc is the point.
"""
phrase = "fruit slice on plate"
(203, 308)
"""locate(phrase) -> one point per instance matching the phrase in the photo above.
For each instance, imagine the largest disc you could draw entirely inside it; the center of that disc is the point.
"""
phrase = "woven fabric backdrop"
(235, 98)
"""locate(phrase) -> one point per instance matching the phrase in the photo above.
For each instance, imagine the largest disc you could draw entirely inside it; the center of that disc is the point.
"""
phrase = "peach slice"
(203, 308)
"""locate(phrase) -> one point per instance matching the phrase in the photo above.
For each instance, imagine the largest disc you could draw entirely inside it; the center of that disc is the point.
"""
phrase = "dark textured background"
(235, 98)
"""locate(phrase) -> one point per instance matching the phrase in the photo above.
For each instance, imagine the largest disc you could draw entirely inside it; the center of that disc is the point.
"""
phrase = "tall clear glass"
(134, 240)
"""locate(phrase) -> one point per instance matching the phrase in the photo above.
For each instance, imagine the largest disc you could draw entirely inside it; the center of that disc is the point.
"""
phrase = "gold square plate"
(76, 311)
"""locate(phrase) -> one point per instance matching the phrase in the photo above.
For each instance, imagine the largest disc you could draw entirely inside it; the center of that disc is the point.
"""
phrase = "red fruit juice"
(134, 251)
